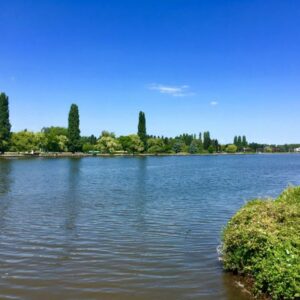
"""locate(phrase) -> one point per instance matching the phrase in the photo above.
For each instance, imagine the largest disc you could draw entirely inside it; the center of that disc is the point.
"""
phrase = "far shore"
(82, 154)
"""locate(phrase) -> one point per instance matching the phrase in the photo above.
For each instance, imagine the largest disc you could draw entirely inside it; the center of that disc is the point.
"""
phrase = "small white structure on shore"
(297, 149)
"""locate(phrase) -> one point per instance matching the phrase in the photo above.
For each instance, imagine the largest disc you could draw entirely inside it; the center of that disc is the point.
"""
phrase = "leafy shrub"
(210, 149)
(155, 145)
(263, 241)
(231, 148)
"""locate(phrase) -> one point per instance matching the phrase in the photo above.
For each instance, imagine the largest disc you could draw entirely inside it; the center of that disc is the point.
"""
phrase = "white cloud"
(175, 91)
(213, 103)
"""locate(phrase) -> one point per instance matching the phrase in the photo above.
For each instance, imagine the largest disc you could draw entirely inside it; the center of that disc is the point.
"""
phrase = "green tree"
(186, 138)
(108, 144)
(88, 143)
(215, 144)
(178, 146)
(131, 143)
(73, 129)
(156, 145)
(200, 137)
(55, 130)
(92, 140)
(239, 143)
(211, 149)
(25, 141)
(168, 145)
(124, 140)
(4, 123)
(200, 141)
(206, 140)
(87, 146)
(56, 139)
(231, 148)
(136, 145)
(194, 147)
(142, 132)
(107, 134)
(41, 141)
(235, 140)
(244, 141)
(62, 142)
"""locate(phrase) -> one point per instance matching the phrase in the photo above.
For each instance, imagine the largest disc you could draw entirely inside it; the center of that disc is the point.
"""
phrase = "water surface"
(126, 228)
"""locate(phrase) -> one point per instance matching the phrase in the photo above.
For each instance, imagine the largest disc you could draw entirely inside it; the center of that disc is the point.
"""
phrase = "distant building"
(297, 149)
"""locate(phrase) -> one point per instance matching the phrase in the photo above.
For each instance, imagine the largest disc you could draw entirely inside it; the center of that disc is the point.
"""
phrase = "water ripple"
(126, 228)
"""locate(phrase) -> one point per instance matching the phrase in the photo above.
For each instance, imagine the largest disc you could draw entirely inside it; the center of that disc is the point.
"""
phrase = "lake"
(126, 228)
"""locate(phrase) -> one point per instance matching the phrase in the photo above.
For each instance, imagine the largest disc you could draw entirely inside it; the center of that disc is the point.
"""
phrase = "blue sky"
(231, 67)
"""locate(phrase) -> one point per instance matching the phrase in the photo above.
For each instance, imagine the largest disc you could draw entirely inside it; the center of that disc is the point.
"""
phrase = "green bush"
(231, 148)
(210, 149)
(262, 241)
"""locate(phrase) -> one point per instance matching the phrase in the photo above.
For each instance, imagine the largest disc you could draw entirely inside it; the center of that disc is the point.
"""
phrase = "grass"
(262, 242)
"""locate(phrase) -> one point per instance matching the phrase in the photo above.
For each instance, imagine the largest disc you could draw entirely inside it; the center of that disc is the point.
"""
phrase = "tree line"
(61, 139)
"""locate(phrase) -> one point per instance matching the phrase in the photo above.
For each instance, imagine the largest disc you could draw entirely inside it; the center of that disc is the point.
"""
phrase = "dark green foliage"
(86, 147)
(4, 123)
(142, 132)
(125, 142)
(256, 147)
(106, 133)
(131, 143)
(215, 144)
(206, 140)
(263, 241)
(235, 141)
(194, 146)
(186, 138)
(200, 143)
(56, 138)
(240, 142)
(168, 145)
(200, 140)
(178, 146)
(92, 140)
(210, 149)
(244, 141)
(73, 129)
(55, 130)
(88, 143)
(156, 145)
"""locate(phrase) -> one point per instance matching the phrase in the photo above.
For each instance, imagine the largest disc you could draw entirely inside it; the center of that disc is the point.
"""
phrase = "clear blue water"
(126, 228)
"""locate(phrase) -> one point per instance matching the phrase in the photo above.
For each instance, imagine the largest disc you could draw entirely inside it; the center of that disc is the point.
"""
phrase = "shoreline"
(81, 154)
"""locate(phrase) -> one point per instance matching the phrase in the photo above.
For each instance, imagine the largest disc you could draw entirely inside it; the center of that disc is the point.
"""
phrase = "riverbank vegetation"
(61, 139)
(262, 242)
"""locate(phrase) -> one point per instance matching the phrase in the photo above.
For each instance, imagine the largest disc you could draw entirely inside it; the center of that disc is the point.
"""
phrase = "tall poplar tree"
(239, 142)
(206, 140)
(200, 142)
(142, 133)
(4, 123)
(200, 137)
(73, 129)
(244, 141)
(235, 140)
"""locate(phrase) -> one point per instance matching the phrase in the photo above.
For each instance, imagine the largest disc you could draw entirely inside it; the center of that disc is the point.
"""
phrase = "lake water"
(126, 228)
